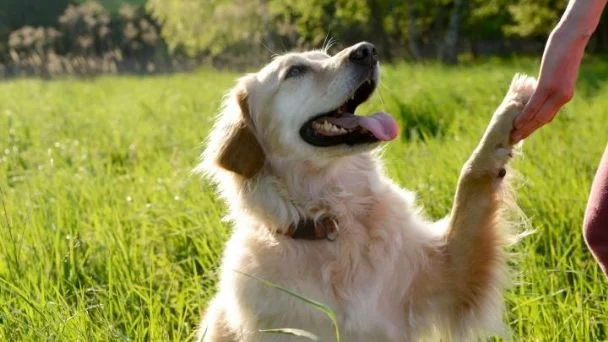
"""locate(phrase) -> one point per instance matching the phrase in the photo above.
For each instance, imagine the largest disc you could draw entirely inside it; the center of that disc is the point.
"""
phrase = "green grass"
(106, 235)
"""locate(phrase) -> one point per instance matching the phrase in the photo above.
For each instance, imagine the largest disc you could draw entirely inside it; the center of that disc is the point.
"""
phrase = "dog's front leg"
(474, 241)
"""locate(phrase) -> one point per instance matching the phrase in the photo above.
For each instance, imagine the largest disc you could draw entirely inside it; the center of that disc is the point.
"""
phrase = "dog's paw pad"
(503, 153)
(502, 156)
(502, 172)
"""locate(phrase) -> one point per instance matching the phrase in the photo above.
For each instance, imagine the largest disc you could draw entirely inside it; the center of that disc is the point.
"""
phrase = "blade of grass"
(317, 305)
(293, 332)
(204, 334)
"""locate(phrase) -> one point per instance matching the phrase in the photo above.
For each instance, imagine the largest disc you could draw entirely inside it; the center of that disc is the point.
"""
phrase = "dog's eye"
(295, 71)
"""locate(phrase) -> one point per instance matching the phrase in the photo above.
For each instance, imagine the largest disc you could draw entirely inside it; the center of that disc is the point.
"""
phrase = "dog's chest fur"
(357, 275)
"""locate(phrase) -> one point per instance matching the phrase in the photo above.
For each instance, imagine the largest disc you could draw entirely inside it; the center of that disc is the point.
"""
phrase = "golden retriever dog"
(314, 213)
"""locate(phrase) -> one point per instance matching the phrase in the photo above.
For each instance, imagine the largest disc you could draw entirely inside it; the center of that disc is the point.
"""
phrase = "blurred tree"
(599, 41)
(487, 18)
(88, 39)
(378, 11)
(113, 6)
(413, 30)
(313, 21)
(210, 26)
(534, 18)
(249, 29)
(15, 14)
(449, 49)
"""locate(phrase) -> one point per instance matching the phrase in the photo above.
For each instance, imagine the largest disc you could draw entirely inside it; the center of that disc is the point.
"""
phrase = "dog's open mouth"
(342, 126)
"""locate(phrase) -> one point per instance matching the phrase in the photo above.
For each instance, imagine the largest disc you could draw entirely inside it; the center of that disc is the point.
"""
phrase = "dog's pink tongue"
(381, 125)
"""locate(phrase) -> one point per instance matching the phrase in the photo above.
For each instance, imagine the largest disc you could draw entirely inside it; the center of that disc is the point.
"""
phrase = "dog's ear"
(241, 152)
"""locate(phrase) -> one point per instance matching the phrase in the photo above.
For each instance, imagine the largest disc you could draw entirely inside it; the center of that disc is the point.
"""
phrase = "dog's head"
(301, 106)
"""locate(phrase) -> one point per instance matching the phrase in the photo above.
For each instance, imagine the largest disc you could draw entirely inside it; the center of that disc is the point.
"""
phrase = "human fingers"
(531, 109)
(526, 118)
(545, 115)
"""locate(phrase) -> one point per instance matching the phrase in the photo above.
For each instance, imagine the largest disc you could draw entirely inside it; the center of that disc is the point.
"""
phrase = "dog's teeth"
(328, 128)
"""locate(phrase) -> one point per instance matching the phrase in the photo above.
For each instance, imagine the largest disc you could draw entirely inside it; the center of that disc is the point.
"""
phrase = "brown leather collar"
(325, 228)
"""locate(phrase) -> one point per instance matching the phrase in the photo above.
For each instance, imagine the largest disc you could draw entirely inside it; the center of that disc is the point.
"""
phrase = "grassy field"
(105, 234)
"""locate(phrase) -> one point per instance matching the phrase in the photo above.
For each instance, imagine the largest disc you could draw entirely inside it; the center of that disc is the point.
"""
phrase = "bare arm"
(560, 65)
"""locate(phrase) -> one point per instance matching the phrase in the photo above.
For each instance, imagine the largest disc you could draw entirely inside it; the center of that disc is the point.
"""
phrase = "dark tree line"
(141, 33)
(412, 29)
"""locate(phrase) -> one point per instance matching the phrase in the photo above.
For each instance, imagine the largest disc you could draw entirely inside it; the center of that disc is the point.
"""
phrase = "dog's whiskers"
(328, 42)
(273, 53)
(380, 95)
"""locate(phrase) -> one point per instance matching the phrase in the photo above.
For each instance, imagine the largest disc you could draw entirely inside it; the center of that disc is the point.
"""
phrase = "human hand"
(559, 71)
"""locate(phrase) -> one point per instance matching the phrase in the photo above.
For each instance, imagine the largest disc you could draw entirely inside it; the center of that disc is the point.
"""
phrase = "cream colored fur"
(391, 275)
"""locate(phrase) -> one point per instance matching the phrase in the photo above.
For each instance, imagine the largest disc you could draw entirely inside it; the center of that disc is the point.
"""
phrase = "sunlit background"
(107, 235)
(87, 37)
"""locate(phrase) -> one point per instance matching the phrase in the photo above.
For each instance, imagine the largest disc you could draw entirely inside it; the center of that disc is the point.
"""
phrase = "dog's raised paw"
(496, 149)
(499, 131)
(521, 89)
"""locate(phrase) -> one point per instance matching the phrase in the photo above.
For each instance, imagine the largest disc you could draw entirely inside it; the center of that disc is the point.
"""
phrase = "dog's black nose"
(364, 54)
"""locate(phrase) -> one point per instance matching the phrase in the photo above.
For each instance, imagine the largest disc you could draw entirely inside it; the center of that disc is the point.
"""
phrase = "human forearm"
(559, 66)
(581, 18)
